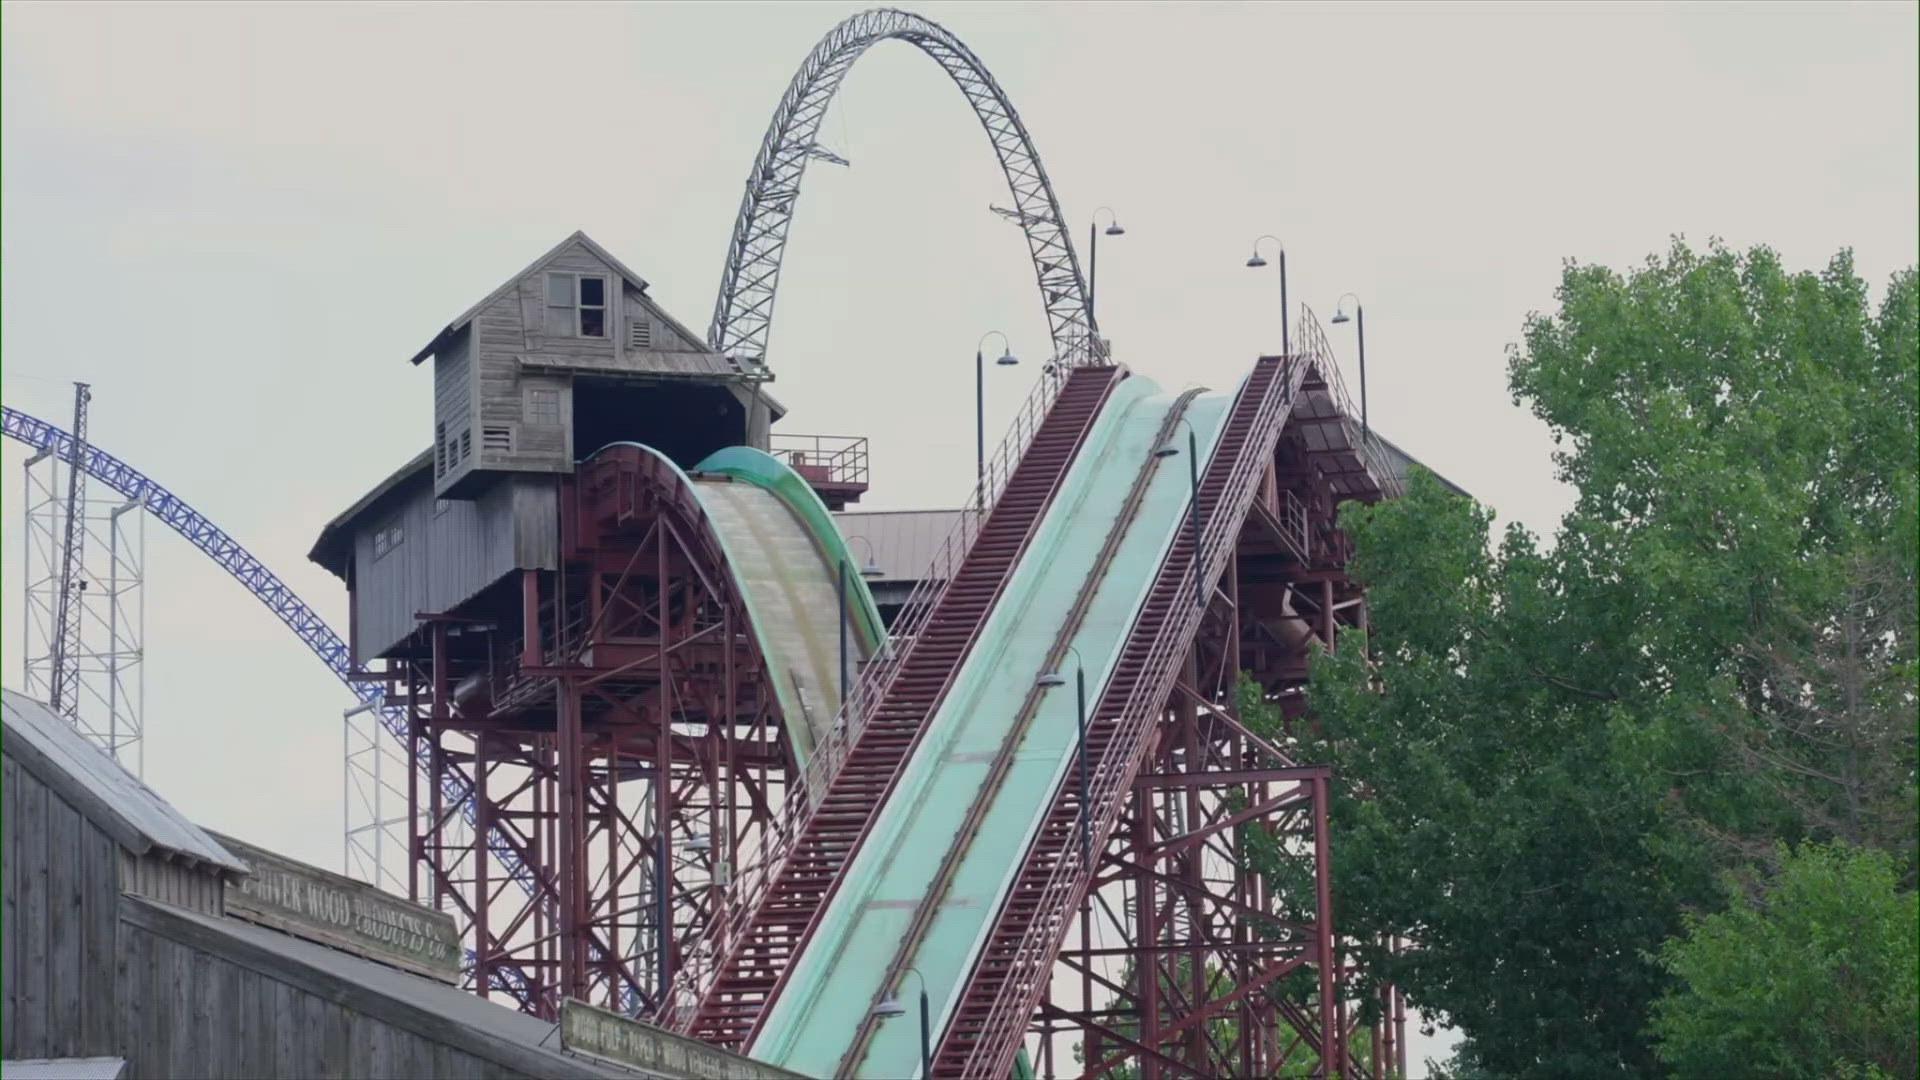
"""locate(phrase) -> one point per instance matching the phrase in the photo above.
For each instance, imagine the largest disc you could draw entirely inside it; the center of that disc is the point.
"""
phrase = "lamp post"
(1007, 359)
(1167, 450)
(1360, 328)
(890, 1007)
(870, 569)
(1255, 261)
(1054, 678)
(1093, 260)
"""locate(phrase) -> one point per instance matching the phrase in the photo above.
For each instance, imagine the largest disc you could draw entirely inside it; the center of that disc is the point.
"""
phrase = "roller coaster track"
(266, 586)
(743, 312)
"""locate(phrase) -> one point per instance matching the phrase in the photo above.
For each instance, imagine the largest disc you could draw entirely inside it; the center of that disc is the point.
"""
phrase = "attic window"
(576, 305)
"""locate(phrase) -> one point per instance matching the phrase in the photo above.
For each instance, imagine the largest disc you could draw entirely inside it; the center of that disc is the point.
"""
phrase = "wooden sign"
(312, 903)
(598, 1033)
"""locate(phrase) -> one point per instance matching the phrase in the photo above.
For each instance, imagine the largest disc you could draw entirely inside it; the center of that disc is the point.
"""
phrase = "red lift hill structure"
(952, 793)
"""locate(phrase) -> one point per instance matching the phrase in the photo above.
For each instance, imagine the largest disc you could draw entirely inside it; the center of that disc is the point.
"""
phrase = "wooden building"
(568, 355)
(136, 944)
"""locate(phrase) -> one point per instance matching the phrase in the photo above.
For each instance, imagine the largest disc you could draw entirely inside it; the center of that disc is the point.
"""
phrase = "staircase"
(750, 976)
(1006, 984)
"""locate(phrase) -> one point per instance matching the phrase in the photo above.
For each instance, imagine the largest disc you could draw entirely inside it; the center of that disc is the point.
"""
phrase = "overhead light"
(1338, 318)
(1007, 359)
(1051, 678)
(699, 842)
(1165, 450)
(872, 570)
(889, 1006)
(1256, 261)
(1115, 230)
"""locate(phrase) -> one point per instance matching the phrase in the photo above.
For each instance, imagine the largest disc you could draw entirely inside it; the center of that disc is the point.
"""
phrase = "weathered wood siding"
(453, 409)
(191, 1009)
(61, 912)
(172, 881)
(450, 549)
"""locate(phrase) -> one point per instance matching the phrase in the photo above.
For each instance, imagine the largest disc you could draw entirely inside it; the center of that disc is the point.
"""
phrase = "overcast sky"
(239, 221)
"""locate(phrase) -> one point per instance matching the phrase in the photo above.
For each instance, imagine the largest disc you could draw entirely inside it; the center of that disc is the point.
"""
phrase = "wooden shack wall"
(57, 944)
(188, 1011)
(450, 549)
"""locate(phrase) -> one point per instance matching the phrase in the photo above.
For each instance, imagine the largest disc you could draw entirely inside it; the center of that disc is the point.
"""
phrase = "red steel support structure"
(617, 727)
(1177, 958)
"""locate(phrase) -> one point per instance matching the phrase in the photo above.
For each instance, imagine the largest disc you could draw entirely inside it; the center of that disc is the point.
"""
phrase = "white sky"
(239, 221)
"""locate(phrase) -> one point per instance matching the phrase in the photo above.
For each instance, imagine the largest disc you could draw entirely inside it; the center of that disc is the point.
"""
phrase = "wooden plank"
(29, 1026)
(12, 782)
(286, 1030)
(65, 943)
(134, 965)
(336, 1032)
(100, 904)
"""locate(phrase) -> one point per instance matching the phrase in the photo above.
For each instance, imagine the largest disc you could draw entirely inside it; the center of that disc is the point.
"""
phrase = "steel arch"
(743, 312)
(253, 574)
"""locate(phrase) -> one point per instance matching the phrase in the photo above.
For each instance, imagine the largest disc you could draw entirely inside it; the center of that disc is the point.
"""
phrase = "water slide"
(792, 568)
(944, 847)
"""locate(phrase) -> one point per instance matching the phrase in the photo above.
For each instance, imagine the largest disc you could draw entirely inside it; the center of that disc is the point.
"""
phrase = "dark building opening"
(685, 421)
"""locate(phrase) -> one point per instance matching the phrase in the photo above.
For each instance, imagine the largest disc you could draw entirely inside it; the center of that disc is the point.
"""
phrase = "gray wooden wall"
(191, 1009)
(450, 549)
(62, 894)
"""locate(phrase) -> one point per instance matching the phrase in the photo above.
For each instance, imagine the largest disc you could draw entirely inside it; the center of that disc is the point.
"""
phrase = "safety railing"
(700, 964)
(823, 459)
(1120, 761)
(1372, 455)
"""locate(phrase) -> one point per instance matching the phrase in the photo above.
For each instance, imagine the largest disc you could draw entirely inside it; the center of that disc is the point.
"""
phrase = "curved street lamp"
(1360, 328)
(1255, 262)
(890, 1007)
(1007, 359)
(1093, 257)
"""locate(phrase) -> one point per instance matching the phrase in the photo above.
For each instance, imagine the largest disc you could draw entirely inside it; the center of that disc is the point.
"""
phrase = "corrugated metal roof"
(89, 1068)
(904, 541)
(100, 788)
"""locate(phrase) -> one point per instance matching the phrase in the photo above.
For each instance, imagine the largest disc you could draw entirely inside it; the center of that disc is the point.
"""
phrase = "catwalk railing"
(752, 880)
(1112, 777)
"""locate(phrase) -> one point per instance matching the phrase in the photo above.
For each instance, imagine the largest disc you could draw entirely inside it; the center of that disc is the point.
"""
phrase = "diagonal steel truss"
(743, 312)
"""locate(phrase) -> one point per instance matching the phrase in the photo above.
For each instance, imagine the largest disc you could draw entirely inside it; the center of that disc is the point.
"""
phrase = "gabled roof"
(104, 792)
(508, 286)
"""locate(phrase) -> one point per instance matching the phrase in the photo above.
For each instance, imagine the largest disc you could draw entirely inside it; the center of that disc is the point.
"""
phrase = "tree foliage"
(1559, 748)
(1819, 975)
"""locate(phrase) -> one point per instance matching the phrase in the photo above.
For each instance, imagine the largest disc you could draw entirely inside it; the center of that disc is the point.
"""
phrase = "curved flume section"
(791, 566)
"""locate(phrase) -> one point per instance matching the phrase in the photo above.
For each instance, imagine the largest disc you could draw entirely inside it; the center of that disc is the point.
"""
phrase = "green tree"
(1819, 975)
(1557, 749)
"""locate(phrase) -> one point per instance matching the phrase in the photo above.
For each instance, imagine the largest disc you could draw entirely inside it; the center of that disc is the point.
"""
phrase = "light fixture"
(1007, 359)
(889, 1007)
(1051, 678)
(1256, 261)
(699, 842)
(1165, 450)
(1339, 317)
(1115, 230)
(872, 570)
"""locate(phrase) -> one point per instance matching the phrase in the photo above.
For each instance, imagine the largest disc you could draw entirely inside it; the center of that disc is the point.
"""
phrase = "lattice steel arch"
(743, 312)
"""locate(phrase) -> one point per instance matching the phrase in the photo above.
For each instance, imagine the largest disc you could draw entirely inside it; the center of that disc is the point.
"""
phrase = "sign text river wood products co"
(312, 903)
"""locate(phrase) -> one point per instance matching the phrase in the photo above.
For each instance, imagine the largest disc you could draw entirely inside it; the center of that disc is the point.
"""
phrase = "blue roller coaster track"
(253, 574)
